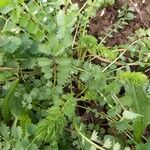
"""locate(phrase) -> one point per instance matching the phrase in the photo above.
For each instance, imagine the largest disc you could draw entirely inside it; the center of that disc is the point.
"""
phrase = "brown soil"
(99, 25)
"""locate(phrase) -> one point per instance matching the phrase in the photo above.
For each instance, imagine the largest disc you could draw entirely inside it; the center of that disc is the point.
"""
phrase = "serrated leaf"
(43, 61)
(52, 126)
(69, 106)
(130, 115)
(13, 45)
(17, 132)
(23, 21)
(127, 148)
(4, 131)
(32, 27)
(116, 146)
(94, 136)
(107, 143)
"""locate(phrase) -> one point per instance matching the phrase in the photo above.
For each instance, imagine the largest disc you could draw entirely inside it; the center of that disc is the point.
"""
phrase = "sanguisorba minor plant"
(50, 84)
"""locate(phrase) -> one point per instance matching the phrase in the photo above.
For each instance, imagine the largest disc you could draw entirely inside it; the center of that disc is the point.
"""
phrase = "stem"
(119, 56)
(15, 122)
(55, 75)
(88, 140)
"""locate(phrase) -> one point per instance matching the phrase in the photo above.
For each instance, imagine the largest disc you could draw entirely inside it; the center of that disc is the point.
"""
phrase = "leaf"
(6, 145)
(116, 146)
(45, 64)
(7, 99)
(6, 7)
(126, 100)
(122, 125)
(4, 131)
(136, 78)
(40, 36)
(107, 143)
(4, 3)
(65, 70)
(127, 148)
(25, 144)
(5, 75)
(69, 106)
(52, 126)
(32, 27)
(16, 107)
(145, 146)
(1, 58)
(93, 76)
(25, 121)
(130, 115)
(43, 61)
(13, 45)
(23, 21)
(17, 132)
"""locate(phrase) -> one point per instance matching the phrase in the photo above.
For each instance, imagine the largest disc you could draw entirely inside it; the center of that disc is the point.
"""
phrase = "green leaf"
(130, 115)
(6, 7)
(116, 146)
(107, 143)
(25, 121)
(140, 105)
(32, 27)
(16, 107)
(23, 21)
(4, 76)
(43, 61)
(17, 132)
(13, 45)
(136, 78)
(52, 126)
(126, 100)
(4, 131)
(4, 3)
(145, 146)
(69, 106)
(65, 70)
(7, 99)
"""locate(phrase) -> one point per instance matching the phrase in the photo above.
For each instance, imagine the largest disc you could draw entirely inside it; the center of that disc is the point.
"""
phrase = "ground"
(99, 25)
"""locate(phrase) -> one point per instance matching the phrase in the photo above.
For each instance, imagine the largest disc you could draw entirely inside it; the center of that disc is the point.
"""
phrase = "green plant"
(50, 83)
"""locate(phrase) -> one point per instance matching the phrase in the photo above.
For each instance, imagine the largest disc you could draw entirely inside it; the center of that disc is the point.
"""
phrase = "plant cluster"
(50, 82)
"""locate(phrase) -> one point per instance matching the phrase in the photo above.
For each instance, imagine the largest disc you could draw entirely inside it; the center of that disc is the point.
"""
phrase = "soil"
(100, 24)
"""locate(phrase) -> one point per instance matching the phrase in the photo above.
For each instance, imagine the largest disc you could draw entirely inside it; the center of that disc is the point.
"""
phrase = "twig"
(113, 62)
(7, 69)
(106, 60)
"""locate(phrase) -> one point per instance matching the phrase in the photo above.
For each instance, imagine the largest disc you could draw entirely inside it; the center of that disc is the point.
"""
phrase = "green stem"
(88, 140)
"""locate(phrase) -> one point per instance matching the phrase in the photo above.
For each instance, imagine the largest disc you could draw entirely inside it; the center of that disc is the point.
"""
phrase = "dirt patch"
(99, 25)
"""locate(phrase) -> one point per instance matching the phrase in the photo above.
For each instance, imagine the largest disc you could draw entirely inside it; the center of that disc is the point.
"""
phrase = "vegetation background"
(74, 75)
